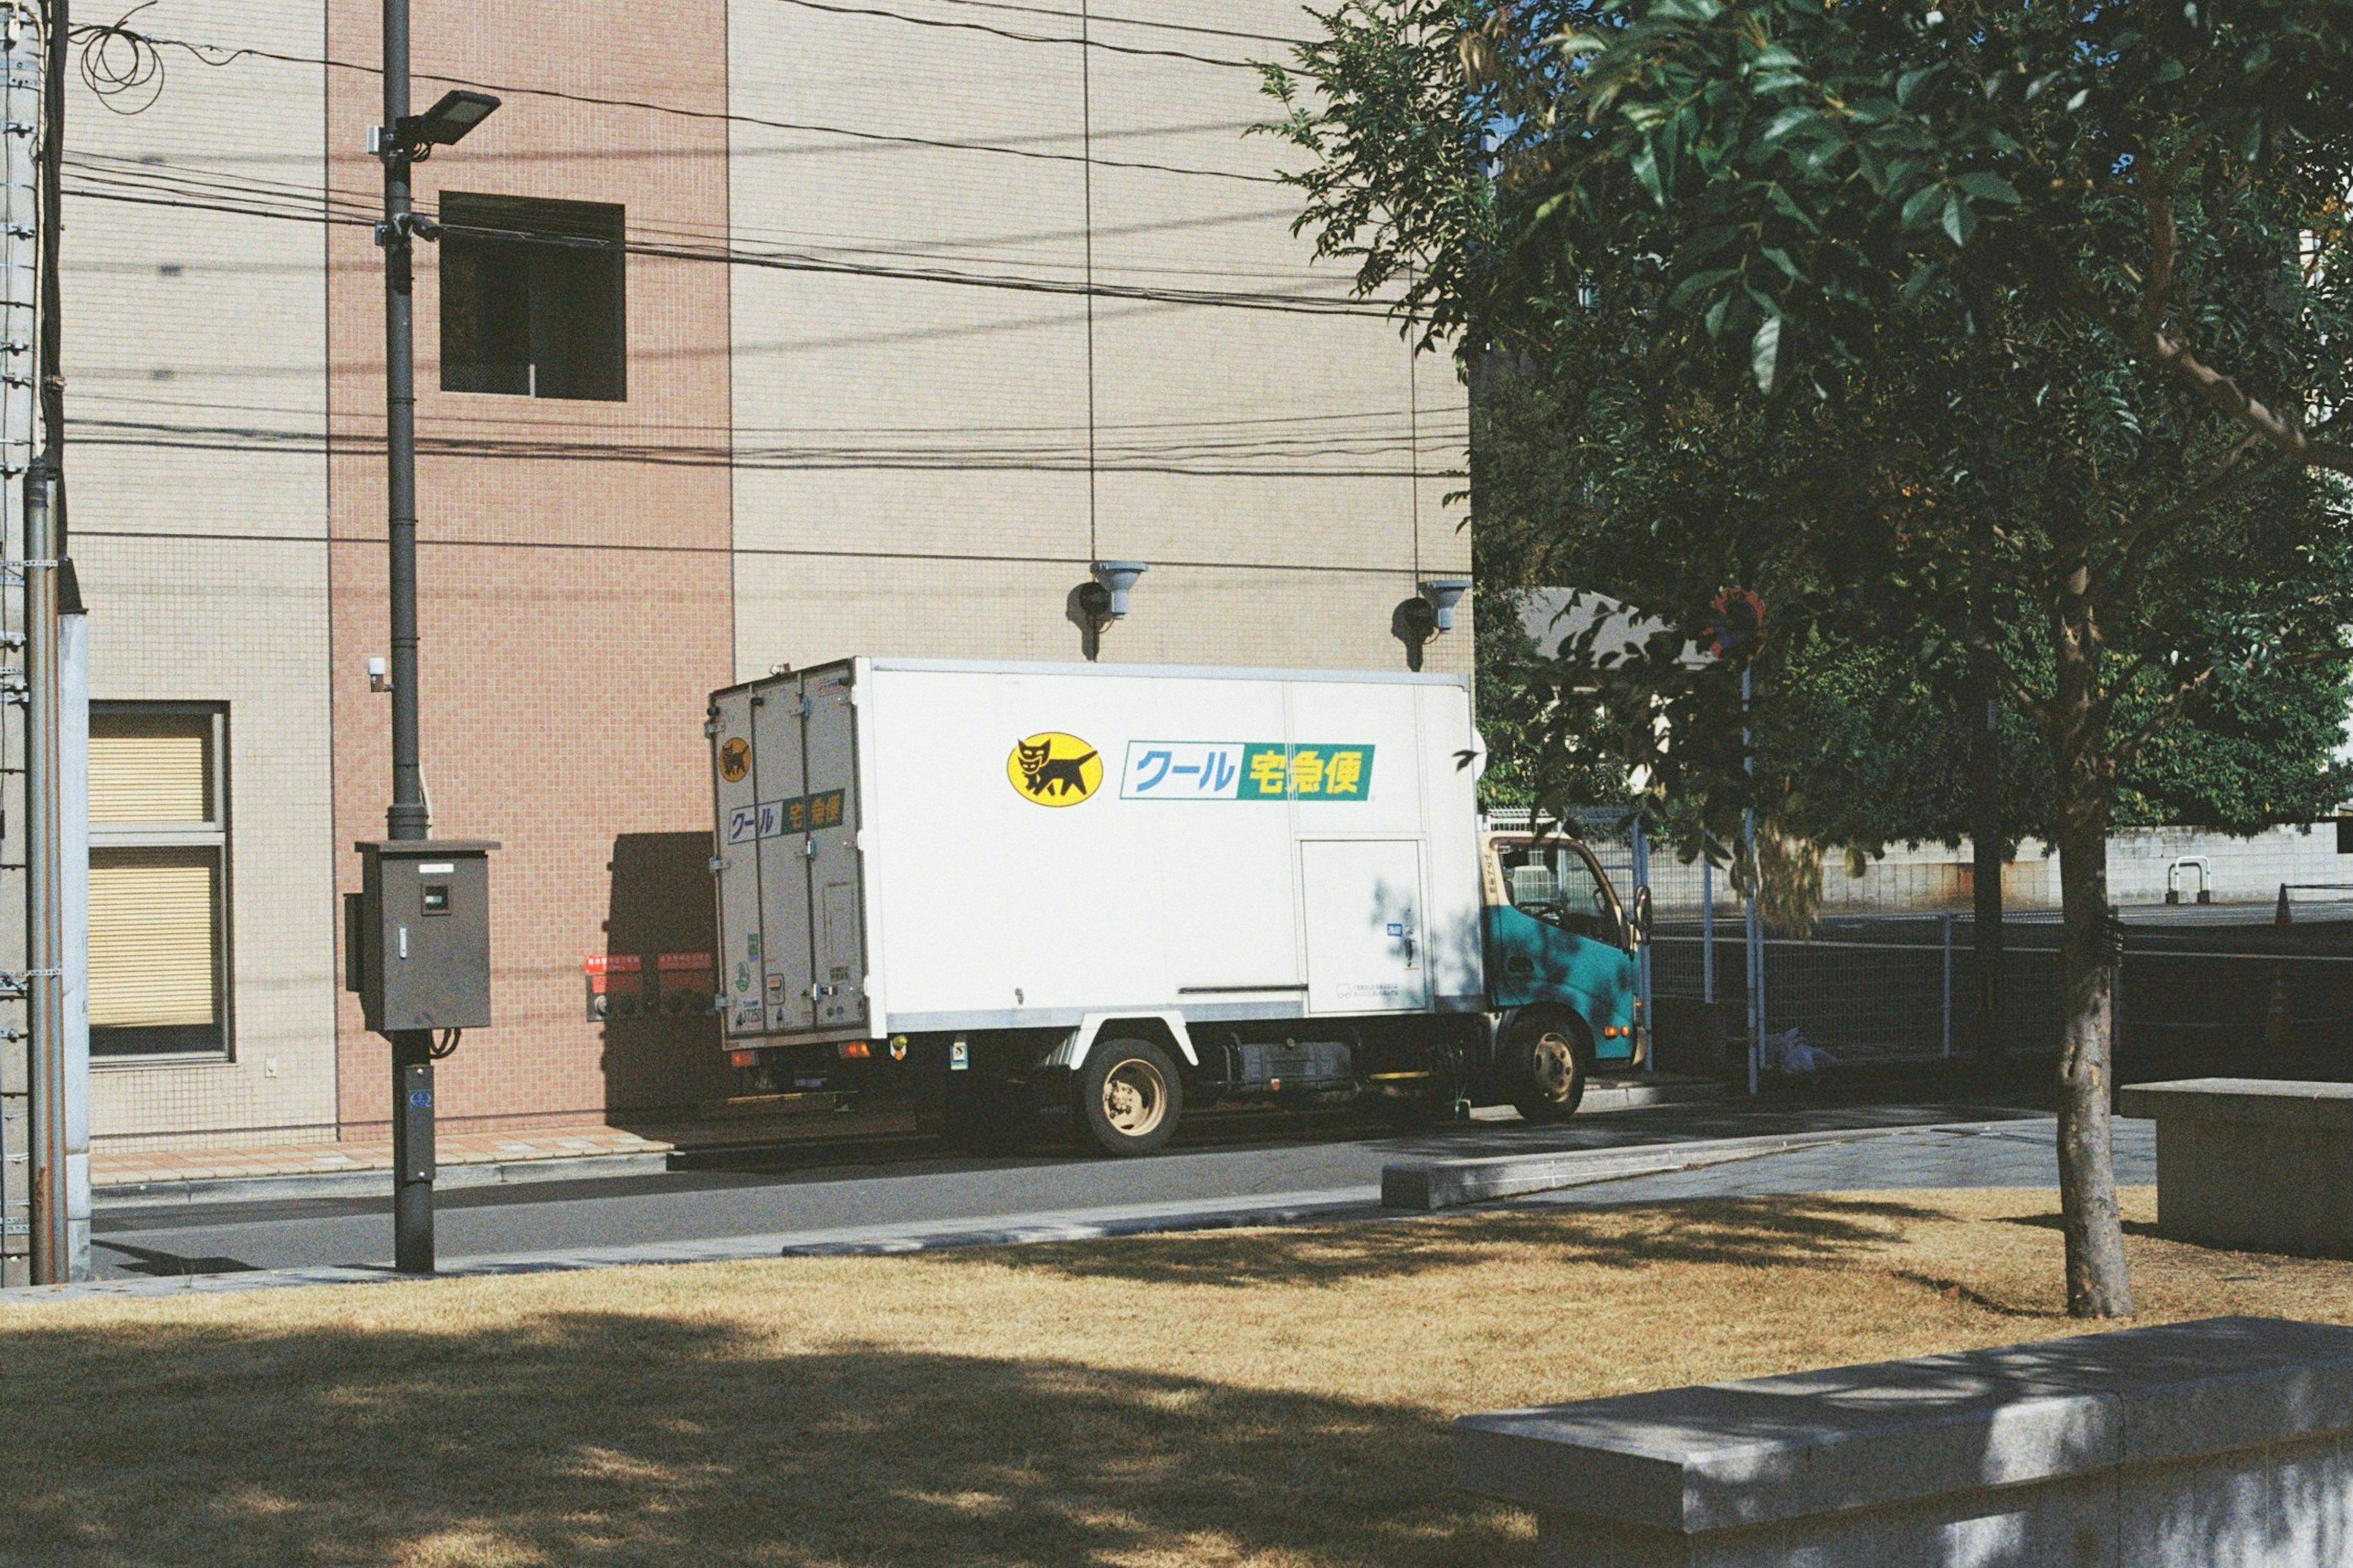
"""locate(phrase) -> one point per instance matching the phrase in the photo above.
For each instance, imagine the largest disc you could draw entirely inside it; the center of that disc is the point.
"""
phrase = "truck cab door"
(1555, 934)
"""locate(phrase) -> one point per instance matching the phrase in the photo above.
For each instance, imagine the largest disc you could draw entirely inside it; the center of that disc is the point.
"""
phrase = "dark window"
(1557, 885)
(532, 298)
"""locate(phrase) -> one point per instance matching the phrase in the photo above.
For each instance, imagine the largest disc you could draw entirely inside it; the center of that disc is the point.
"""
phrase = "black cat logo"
(735, 758)
(1054, 769)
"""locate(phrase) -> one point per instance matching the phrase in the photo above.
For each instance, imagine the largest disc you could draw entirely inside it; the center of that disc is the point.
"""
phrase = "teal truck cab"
(1564, 980)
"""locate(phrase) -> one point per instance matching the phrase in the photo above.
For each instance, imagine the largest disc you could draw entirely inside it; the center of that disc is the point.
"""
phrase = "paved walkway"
(139, 1167)
(2016, 1151)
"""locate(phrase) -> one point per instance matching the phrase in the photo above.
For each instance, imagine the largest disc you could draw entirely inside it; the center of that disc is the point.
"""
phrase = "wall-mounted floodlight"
(445, 124)
(1443, 592)
(1118, 578)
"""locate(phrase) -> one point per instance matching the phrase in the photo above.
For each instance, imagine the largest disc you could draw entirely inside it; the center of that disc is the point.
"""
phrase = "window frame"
(562, 217)
(215, 836)
(1613, 914)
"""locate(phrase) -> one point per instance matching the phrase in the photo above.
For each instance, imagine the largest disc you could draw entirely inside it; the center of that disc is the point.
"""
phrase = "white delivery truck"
(1114, 894)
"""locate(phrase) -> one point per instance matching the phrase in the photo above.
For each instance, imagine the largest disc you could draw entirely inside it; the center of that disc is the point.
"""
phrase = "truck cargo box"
(915, 846)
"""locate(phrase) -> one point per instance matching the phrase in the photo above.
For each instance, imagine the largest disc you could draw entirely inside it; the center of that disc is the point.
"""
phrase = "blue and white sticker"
(1182, 770)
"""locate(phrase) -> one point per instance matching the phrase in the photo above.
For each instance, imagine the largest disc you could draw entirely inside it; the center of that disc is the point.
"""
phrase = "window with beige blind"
(158, 881)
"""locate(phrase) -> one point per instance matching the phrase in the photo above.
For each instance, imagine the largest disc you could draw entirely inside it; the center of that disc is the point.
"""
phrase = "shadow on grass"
(585, 1440)
(1740, 1231)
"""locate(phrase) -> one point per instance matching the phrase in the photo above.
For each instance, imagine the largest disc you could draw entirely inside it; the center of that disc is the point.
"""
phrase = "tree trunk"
(2097, 1286)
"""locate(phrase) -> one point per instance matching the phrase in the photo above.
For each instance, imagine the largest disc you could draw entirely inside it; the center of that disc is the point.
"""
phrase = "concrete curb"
(376, 1182)
(1637, 1095)
(1424, 1185)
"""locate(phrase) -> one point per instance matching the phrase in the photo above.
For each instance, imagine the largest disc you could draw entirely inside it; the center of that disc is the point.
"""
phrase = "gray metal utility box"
(416, 936)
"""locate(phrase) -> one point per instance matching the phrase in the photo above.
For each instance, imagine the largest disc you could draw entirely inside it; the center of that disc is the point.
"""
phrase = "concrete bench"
(2253, 1164)
(2220, 1443)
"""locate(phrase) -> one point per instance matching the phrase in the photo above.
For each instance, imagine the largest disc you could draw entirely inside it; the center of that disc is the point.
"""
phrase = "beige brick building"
(919, 306)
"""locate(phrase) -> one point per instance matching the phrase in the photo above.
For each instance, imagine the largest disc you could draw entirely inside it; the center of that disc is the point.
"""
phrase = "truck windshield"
(1557, 885)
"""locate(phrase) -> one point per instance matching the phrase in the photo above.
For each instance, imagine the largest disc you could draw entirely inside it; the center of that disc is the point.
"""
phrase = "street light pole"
(412, 1050)
(401, 140)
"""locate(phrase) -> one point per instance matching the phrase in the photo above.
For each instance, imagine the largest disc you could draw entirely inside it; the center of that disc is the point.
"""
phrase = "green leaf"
(1783, 123)
(1787, 205)
(1780, 258)
(1919, 209)
(1645, 165)
(1987, 187)
(1764, 354)
(1910, 81)
(1698, 283)
(1957, 219)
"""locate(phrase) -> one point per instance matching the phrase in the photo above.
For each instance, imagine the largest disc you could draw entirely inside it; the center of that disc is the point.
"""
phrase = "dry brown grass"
(1266, 1397)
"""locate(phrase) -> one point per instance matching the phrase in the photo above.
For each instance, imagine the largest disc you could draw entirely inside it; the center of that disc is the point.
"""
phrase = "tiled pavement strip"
(114, 1170)
(1960, 1154)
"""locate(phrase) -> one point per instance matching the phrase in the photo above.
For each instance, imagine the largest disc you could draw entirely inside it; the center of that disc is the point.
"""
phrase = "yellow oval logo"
(736, 760)
(1054, 769)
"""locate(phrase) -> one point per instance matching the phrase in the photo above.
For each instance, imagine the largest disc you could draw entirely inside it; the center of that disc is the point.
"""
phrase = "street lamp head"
(447, 122)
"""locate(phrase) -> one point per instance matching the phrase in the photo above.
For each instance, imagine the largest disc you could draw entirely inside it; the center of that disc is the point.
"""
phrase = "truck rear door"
(736, 794)
(778, 723)
(838, 933)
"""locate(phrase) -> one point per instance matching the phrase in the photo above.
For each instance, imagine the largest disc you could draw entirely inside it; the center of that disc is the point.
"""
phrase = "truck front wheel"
(1547, 1059)
(1129, 1096)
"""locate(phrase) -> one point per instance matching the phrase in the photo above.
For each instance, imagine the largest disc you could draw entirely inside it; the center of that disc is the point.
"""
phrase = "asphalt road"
(913, 1181)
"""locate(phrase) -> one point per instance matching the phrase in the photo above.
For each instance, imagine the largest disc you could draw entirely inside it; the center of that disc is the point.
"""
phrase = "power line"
(151, 174)
(1136, 22)
(831, 8)
(649, 547)
(1276, 424)
(1071, 459)
(222, 55)
(722, 254)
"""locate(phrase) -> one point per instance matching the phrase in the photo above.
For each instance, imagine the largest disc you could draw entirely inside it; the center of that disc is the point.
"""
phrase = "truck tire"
(1129, 1097)
(1546, 1061)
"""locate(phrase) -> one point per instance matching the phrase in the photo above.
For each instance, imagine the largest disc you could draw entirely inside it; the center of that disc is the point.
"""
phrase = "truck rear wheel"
(1129, 1096)
(1548, 1060)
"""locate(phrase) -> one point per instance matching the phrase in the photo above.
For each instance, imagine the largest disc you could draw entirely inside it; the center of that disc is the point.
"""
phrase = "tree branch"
(2028, 701)
(2140, 544)
(2227, 397)
(2167, 712)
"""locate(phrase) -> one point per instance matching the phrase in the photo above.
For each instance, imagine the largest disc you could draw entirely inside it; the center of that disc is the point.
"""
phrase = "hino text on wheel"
(1025, 893)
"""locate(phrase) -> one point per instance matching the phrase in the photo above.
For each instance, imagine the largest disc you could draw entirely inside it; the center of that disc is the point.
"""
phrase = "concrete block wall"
(1933, 877)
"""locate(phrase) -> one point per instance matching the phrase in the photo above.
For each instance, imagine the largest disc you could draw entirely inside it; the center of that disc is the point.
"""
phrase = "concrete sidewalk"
(2010, 1152)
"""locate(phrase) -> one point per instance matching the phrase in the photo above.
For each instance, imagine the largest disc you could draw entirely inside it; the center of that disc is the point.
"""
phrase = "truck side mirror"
(1640, 926)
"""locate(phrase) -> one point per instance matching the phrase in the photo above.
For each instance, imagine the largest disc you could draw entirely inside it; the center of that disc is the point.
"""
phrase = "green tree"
(2006, 333)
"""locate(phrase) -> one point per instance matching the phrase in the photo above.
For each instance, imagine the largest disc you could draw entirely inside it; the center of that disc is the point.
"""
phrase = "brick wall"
(574, 611)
